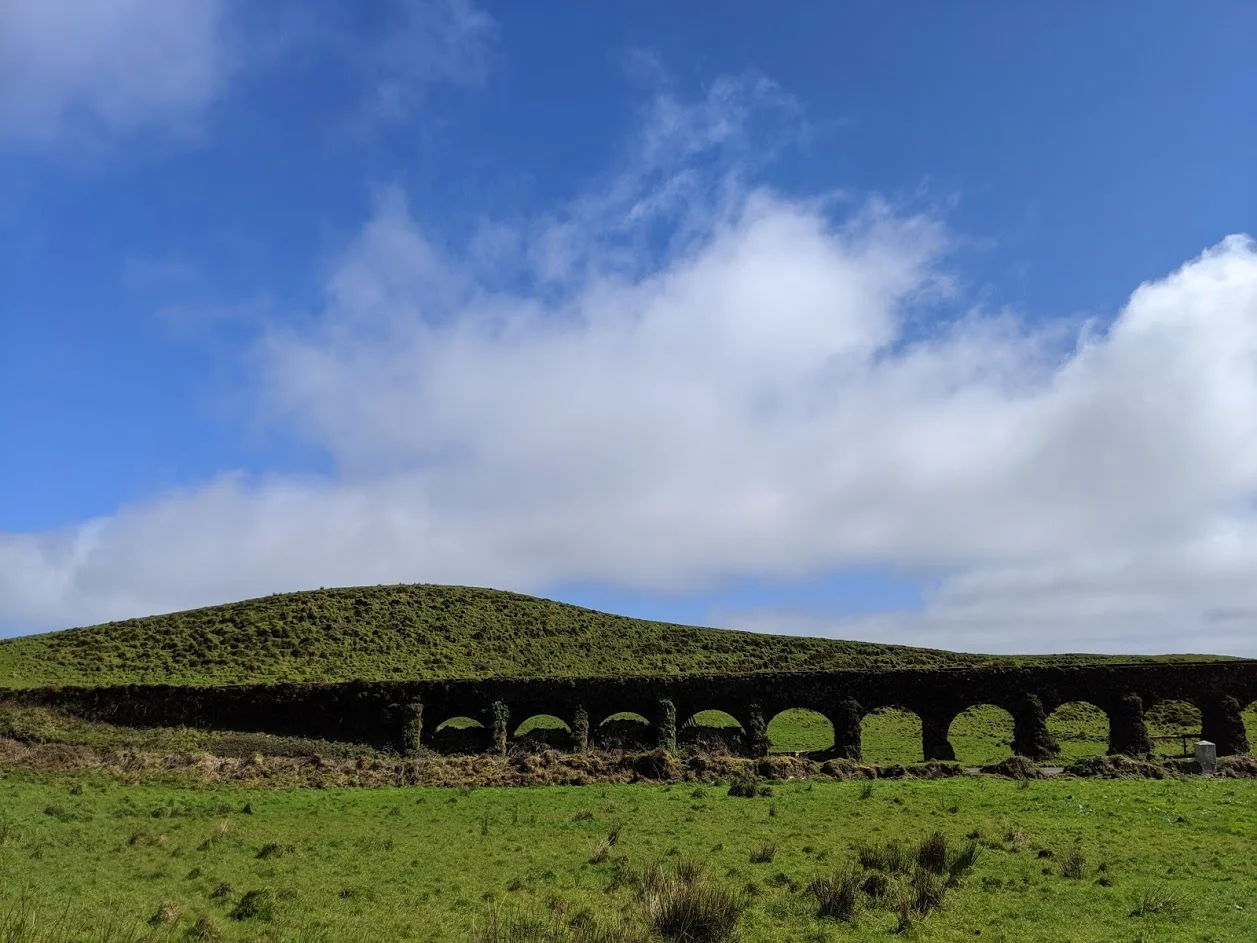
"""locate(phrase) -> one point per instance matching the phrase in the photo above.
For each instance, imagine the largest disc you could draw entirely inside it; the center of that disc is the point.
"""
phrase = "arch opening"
(460, 735)
(892, 735)
(1174, 726)
(982, 734)
(799, 730)
(624, 730)
(543, 731)
(1080, 729)
(1249, 715)
(712, 730)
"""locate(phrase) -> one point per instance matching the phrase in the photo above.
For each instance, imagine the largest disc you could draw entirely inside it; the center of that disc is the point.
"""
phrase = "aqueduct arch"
(405, 714)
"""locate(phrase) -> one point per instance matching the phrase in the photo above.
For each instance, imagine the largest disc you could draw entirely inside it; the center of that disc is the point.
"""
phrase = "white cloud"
(81, 74)
(725, 384)
(76, 72)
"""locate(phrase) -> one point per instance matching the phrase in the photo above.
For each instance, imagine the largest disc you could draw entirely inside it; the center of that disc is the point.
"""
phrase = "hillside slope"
(419, 631)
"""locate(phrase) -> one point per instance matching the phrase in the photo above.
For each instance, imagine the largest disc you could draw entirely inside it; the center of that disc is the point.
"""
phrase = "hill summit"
(415, 631)
(423, 631)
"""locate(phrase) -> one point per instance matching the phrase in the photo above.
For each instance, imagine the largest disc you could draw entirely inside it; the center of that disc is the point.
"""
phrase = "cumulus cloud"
(79, 71)
(726, 382)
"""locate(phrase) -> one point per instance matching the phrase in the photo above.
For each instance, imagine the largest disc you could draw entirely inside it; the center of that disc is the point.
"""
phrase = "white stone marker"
(1207, 756)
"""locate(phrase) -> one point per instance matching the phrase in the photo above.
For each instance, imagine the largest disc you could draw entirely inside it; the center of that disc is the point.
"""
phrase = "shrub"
(838, 896)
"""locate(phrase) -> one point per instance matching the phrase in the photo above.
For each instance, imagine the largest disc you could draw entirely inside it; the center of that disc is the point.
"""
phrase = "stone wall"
(405, 714)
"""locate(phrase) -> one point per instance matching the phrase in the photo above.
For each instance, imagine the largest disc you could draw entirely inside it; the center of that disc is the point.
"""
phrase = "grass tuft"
(254, 905)
(838, 896)
(890, 857)
(1073, 866)
(764, 855)
(1157, 902)
(689, 907)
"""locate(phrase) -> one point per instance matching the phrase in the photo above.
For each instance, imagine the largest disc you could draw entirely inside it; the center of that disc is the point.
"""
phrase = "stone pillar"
(412, 728)
(846, 721)
(501, 719)
(666, 725)
(756, 731)
(1207, 756)
(1128, 734)
(580, 731)
(934, 742)
(1222, 723)
(1031, 737)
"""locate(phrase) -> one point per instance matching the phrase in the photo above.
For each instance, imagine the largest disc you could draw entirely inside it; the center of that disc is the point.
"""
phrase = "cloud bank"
(683, 377)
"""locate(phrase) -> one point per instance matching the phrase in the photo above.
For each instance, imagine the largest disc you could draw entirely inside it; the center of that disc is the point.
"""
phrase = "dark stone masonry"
(406, 714)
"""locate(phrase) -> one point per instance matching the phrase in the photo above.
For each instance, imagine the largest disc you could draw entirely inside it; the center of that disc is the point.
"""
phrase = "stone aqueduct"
(406, 714)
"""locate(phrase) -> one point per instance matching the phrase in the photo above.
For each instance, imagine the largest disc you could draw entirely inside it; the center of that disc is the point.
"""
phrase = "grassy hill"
(420, 631)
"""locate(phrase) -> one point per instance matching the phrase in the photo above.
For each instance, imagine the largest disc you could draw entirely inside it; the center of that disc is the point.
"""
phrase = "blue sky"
(811, 317)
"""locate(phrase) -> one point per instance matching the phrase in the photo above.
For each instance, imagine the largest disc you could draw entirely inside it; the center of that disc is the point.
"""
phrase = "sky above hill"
(925, 323)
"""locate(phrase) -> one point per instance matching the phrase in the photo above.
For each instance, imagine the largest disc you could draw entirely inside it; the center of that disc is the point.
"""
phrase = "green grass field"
(422, 631)
(156, 854)
(81, 857)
